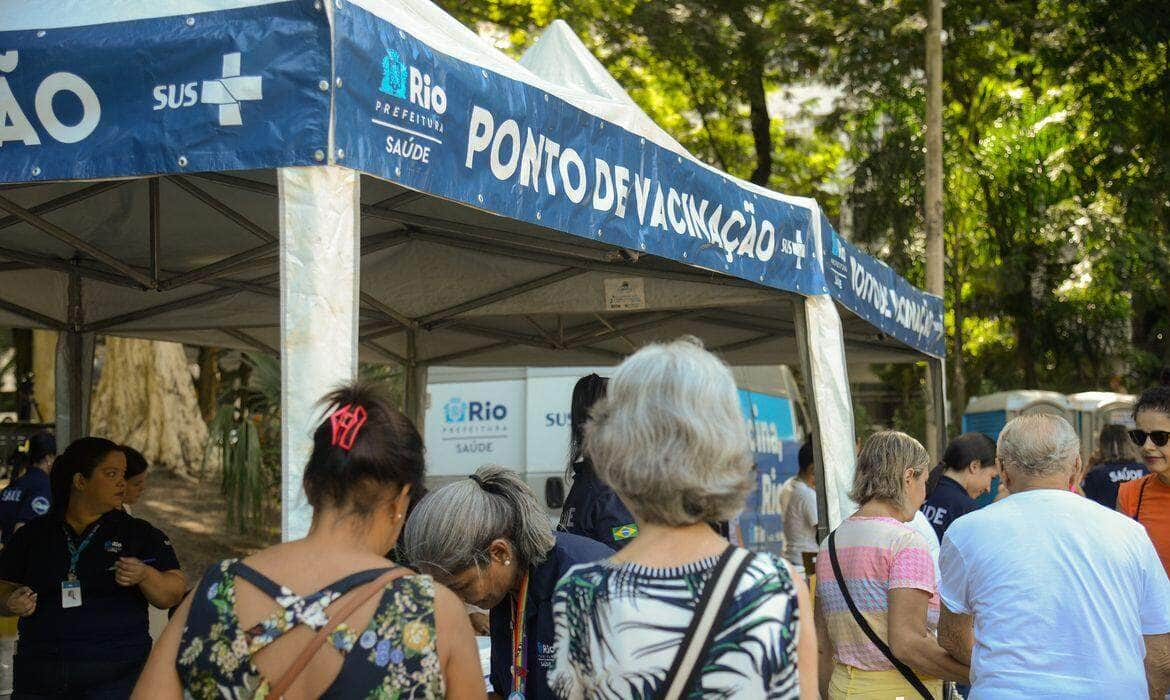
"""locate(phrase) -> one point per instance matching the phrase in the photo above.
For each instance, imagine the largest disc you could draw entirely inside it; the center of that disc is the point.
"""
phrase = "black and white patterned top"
(619, 626)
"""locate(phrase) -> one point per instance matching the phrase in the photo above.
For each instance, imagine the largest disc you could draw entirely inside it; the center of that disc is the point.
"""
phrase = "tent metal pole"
(622, 328)
(251, 340)
(542, 332)
(620, 331)
(410, 398)
(384, 352)
(222, 267)
(34, 316)
(241, 220)
(381, 307)
(65, 200)
(438, 319)
(460, 239)
(750, 342)
(806, 371)
(69, 239)
(452, 356)
(65, 266)
(399, 199)
(936, 376)
(155, 230)
(514, 338)
(74, 370)
(184, 303)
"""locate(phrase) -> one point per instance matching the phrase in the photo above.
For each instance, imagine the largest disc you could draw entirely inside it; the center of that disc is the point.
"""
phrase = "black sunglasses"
(1160, 437)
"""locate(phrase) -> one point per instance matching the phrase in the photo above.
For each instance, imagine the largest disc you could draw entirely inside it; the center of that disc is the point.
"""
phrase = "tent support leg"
(936, 382)
(319, 289)
(820, 342)
(415, 383)
(74, 371)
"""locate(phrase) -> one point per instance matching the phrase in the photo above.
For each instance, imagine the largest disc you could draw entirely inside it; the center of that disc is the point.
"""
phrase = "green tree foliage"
(1057, 153)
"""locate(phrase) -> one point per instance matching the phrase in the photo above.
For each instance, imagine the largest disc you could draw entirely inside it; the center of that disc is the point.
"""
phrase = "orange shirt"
(1155, 510)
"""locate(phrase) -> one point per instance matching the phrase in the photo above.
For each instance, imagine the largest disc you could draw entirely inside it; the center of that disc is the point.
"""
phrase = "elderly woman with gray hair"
(679, 612)
(877, 603)
(488, 539)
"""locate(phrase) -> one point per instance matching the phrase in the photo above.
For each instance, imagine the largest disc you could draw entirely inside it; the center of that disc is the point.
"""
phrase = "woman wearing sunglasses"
(1147, 499)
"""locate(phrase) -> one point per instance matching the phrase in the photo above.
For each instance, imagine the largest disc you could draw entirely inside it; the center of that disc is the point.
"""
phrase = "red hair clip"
(346, 422)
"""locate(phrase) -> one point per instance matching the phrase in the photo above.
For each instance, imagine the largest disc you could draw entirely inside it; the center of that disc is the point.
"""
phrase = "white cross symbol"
(228, 91)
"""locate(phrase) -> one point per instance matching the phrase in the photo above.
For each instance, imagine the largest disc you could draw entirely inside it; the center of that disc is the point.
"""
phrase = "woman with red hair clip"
(328, 615)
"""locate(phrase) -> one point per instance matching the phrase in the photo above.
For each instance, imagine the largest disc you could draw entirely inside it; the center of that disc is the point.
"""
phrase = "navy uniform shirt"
(22, 500)
(948, 501)
(593, 510)
(569, 551)
(111, 624)
(1103, 481)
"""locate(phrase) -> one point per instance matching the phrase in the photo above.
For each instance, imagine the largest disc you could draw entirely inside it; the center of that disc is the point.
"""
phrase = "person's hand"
(129, 571)
(22, 602)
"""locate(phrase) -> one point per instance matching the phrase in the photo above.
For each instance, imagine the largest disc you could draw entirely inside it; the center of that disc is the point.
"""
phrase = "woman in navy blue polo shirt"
(592, 509)
(29, 495)
(81, 578)
(488, 540)
(965, 473)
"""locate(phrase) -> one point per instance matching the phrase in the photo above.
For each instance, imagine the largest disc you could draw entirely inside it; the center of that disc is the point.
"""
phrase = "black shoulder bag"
(687, 667)
(908, 674)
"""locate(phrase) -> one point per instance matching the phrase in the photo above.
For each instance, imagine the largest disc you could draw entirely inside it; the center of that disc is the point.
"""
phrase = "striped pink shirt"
(876, 554)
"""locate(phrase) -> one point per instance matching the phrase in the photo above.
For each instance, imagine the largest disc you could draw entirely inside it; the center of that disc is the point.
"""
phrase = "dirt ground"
(193, 515)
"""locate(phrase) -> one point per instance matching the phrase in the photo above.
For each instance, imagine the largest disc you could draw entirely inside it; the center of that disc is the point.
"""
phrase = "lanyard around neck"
(519, 642)
(75, 550)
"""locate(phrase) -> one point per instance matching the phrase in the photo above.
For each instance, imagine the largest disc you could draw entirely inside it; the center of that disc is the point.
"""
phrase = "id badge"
(71, 594)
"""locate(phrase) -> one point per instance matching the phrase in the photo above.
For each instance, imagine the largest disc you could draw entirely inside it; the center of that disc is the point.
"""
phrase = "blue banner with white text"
(223, 90)
(876, 293)
(418, 117)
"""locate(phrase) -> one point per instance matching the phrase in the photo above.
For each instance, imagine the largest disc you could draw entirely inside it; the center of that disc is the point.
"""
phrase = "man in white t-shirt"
(1048, 594)
(798, 510)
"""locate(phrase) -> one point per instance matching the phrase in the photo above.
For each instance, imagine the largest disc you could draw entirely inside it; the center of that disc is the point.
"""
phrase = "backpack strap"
(687, 667)
(907, 673)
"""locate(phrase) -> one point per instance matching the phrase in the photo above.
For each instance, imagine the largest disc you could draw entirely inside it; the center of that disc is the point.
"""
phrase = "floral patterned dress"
(394, 656)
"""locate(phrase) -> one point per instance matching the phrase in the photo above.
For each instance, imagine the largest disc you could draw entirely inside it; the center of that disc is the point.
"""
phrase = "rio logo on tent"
(15, 124)
(411, 84)
(226, 91)
(459, 411)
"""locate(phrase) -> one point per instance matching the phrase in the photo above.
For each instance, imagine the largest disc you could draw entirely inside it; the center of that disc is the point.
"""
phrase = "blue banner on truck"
(416, 116)
(760, 527)
(207, 91)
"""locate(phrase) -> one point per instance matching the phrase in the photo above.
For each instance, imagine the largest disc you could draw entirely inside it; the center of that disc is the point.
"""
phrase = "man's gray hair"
(1039, 445)
(450, 529)
(670, 437)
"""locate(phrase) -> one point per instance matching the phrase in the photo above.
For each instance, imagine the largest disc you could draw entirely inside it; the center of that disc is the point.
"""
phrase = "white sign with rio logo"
(469, 424)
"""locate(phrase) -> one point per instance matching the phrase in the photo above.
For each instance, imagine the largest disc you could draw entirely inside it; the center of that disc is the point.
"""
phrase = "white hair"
(1039, 445)
(451, 529)
(670, 437)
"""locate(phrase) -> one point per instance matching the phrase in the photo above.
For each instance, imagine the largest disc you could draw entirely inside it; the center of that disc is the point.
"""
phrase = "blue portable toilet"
(989, 414)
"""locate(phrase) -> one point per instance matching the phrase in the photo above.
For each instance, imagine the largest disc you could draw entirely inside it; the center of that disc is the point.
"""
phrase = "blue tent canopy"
(269, 86)
(496, 217)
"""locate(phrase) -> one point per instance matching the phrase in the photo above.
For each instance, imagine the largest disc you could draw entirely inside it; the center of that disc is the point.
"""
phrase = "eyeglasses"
(1160, 437)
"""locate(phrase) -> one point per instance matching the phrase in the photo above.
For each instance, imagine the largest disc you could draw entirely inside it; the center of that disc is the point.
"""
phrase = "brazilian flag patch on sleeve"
(625, 532)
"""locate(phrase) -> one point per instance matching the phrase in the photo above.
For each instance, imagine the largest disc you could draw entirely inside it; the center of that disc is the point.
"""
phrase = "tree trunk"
(44, 368)
(208, 389)
(145, 399)
(761, 128)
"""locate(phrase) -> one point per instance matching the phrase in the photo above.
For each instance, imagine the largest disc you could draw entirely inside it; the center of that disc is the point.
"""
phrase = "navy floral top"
(394, 656)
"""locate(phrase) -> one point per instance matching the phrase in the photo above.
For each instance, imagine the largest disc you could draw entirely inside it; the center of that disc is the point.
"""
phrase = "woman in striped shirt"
(886, 567)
